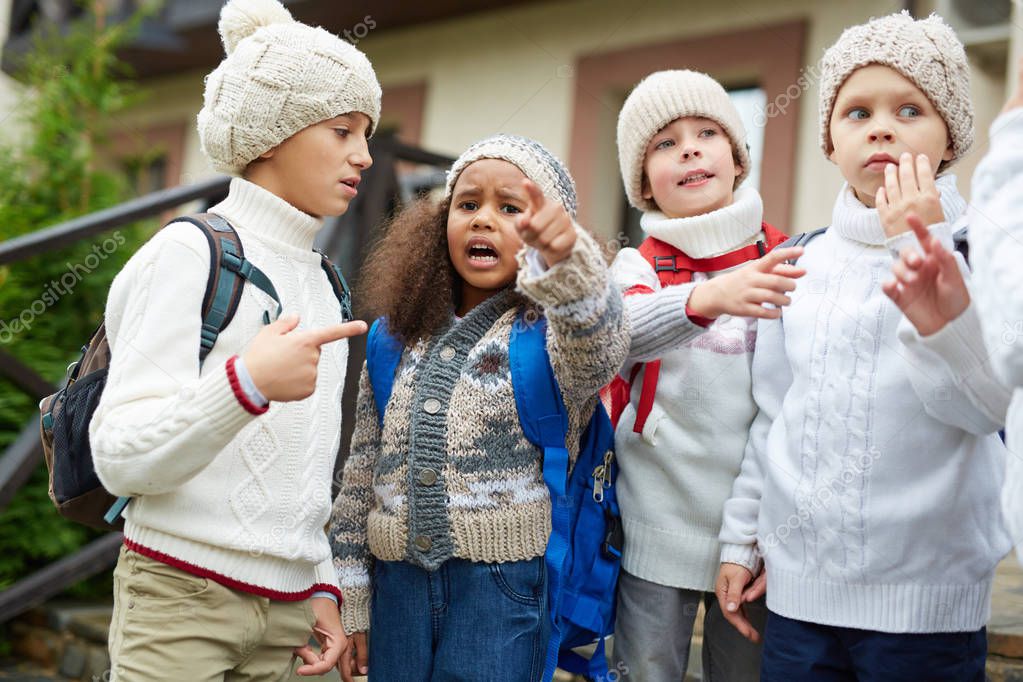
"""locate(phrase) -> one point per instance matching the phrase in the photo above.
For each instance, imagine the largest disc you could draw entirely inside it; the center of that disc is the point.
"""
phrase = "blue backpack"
(584, 551)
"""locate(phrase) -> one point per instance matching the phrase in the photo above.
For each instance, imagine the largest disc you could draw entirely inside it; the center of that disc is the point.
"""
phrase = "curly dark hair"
(408, 276)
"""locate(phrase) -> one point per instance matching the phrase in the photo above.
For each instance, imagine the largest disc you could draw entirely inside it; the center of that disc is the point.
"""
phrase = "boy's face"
(879, 114)
(689, 168)
(482, 240)
(317, 170)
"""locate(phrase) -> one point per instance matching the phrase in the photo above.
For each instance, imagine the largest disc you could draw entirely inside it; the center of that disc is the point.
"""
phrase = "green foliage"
(51, 303)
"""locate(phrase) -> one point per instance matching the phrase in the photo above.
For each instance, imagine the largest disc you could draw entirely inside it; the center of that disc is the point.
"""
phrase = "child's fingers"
(757, 589)
(910, 258)
(774, 282)
(777, 257)
(760, 312)
(337, 332)
(881, 200)
(788, 270)
(761, 296)
(891, 184)
(925, 174)
(534, 194)
(907, 175)
(922, 235)
(903, 274)
(892, 291)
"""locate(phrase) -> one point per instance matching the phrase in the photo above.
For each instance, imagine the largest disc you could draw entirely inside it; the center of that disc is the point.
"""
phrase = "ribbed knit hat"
(535, 161)
(925, 51)
(279, 77)
(659, 99)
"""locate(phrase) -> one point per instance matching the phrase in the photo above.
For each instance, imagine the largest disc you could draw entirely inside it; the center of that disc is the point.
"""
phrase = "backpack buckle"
(669, 267)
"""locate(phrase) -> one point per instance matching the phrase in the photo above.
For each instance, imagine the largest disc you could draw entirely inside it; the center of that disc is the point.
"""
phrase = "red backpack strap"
(774, 236)
(667, 261)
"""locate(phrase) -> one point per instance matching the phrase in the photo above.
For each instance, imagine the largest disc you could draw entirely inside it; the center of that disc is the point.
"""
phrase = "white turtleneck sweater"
(870, 483)
(676, 476)
(218, 491)
(996, 249)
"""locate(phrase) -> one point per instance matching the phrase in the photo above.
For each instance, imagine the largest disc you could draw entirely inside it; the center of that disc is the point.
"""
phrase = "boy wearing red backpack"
(693, 290)
(226, 571)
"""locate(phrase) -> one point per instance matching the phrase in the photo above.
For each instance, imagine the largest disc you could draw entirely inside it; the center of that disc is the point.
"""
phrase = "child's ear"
(645, 190)
(268, 153)
(949, 153)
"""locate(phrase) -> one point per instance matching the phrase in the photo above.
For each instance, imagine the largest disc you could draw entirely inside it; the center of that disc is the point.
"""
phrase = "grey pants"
(654, 627)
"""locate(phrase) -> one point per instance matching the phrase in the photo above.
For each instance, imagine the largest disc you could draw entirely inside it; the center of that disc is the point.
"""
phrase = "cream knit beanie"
(279, 77)
(530, 157)
(925, 51)
(659, 99)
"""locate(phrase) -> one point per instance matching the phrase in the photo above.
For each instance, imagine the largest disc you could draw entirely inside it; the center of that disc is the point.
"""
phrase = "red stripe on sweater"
(638, 289)
(231, 582)
(239, 392)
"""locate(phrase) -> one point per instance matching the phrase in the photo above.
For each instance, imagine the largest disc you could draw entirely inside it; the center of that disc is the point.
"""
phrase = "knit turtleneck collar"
(855, 221)
(262, 213)
(710, 234)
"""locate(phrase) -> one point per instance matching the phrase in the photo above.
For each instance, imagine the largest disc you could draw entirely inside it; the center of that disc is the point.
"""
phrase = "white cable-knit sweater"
(676, 476)
(220, 492)
(996, 248)
(870, 483)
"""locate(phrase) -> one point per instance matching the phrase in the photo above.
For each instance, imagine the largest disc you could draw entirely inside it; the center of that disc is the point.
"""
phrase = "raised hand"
(732, 579)
(744, 292)
(283, 362)
(928, 289)
(908, 189)
(546, 226)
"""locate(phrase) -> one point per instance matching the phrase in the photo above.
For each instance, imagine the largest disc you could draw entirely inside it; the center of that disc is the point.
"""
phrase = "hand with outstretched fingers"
(355, 659)
(744, 292)
(283, 362)
(732, 580)
(908, 189)
(329, 634)
(546, 226)
(929, 289)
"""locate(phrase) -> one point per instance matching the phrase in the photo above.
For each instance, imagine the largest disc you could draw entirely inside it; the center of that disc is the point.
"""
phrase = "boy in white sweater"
(870, 483)
(996, 248)
(226, 571)
(693, 290)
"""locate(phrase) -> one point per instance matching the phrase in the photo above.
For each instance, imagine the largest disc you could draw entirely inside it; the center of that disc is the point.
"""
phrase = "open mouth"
(695, 178)
(482, 253)
(352, 184)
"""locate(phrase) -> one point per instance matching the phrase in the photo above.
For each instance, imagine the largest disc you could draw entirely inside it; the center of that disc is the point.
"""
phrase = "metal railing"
(344, 240)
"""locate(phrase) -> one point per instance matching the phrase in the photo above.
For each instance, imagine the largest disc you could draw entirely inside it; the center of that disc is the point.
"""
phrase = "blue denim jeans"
(463, 621)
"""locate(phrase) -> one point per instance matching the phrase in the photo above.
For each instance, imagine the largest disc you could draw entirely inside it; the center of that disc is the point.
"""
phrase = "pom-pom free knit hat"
(279, 77)
(529, 156)
(925, 51)
(659, 99)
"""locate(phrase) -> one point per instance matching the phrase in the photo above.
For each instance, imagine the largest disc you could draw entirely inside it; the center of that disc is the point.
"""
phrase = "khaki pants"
(171, 625)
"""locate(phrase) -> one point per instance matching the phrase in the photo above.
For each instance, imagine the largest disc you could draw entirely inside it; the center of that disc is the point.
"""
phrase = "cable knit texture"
(676, 476)
(659, 99)
(874, 450)
(926, 51)
(996, 248)
(216, 487)
(279, 76)
(452, 474)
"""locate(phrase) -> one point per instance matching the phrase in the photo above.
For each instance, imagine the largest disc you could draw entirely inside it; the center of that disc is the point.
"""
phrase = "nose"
(483, 219)
(881, 132)
(360, 156)
(690, 151)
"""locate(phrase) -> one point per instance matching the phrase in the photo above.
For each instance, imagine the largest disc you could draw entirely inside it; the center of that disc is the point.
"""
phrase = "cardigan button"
(431, 405)
(447, 354)
(427, 477)
(423, 543)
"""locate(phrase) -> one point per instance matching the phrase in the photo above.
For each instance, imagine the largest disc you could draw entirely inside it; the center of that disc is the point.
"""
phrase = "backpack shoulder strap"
(802, 239)
(543, 418)
(773, 236)
(228, 272)
(383, 354)
(661, 256)
(339, 285)
(961, 243)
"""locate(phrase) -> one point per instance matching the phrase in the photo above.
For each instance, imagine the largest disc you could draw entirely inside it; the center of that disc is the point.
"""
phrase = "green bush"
(51, 174)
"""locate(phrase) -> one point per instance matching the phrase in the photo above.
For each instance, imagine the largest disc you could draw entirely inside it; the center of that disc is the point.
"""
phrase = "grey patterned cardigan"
(451, 473)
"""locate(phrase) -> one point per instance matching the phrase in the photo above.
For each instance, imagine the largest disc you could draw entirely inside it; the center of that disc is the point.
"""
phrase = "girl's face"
(878, 115)
(482, 240)
(689, 169)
